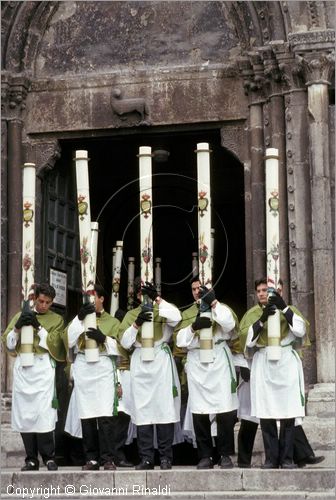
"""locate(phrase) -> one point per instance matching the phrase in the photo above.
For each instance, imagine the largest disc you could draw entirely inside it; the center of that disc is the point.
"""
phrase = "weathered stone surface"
(84, 37)
(74, 484)
(172, 96)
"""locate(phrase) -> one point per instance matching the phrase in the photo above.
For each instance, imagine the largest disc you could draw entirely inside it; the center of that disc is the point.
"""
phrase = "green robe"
(108, 325)
(54, 325)
(189, 316)
(130, 318)
(253, 315)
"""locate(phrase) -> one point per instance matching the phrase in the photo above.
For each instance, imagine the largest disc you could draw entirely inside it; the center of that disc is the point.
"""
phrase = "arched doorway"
(114, 193)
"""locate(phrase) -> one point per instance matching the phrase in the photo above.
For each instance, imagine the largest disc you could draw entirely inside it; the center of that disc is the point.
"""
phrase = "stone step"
(320, 433)
(180, 482)
(321, 401)
(213, 495)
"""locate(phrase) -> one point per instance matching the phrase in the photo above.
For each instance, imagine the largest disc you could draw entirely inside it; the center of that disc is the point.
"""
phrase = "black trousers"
(278, 449)
(96, 431)
(39, 442)
(145, 439)
(225, 433)
(120, 431)
(246, 437)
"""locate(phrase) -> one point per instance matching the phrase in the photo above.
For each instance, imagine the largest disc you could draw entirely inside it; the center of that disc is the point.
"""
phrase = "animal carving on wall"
(126, 106)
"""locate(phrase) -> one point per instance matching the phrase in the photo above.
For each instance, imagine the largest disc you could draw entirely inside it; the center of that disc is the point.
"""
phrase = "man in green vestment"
(96, 384)
(212, 386)
(155, 387)
(34, 401)
(277, 386)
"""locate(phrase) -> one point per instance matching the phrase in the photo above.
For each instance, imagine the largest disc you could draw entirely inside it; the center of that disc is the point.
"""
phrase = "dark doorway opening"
(114, 193)
(114, 196)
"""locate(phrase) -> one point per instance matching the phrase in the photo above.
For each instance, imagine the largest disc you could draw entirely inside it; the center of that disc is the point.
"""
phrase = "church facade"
(109, 77)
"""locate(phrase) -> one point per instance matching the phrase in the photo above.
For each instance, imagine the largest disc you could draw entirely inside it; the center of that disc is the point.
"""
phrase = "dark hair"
(260, 281)
(263, 281)
(45, 289)
(99, 291)
(193, 279)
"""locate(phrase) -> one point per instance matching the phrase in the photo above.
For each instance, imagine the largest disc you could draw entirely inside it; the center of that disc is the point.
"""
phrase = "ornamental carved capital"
(271, 68)
(290, 69)
(317, 67)
(14, 92)
(251, 68)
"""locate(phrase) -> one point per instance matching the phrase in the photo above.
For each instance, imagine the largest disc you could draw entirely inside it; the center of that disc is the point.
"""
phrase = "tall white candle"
(113, 260)
(194, 264)
(146, 244)
(212, 248)
(130, 282)
(28, 258)
(204, 241)
(116, 278)
(158, 275)
(272, 248)
(94, 247)
(87, 268)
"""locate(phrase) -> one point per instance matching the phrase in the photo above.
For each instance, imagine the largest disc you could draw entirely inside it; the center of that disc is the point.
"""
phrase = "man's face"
(99, 301)
(195, 288)
(261, 292)
(43, 303)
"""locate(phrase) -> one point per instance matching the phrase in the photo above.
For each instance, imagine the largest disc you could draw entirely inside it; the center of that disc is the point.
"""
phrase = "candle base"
(273, 353)
(27, 358)
(92, 355)
(147, 353)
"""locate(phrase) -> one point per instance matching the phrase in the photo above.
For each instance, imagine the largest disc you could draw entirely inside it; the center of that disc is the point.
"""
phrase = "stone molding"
(306, 40)
(43, 153)
(14, 91)
(233, 137)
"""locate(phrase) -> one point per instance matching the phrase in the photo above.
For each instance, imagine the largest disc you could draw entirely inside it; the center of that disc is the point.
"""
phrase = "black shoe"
(288, 465)
(144, 465)
(91, 465)
(30, 466)
(269, 465)
(225, 462)
(244, 466)
(165, 464)
(109, 466)
(124, 463)
(205, 463)
(51, 465)
(311, 460)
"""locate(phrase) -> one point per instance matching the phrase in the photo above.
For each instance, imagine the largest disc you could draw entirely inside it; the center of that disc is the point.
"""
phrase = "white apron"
(244, 397)
(73, 424)
(151, 388)
(94, 387)
(209, 384)
(33, 389)
(277, 387)
(125, 404)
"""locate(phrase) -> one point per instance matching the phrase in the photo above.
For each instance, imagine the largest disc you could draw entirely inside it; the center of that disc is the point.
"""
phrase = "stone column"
(252, 72)
(318, 69)
(298, 197)
(14, 108)
(4, 216)
(275, 133)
